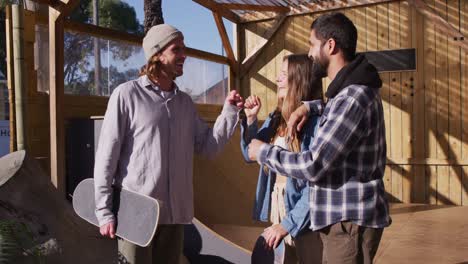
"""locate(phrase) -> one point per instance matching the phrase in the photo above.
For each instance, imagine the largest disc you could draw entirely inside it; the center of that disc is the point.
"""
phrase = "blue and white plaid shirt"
(347, 161)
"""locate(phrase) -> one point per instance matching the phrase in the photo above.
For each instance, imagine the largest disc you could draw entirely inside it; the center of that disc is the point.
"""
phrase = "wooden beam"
(440, 23)
(102, 32)
(250, 59)
(200, 54)
(226, 43)
(260, 8)
(313, 8)
(10, 76)
(215, 7)
(66, 7)
(120, 36)
(56, 97)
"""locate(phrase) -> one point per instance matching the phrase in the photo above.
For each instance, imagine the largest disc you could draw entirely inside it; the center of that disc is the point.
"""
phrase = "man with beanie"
(150, 132)
(346, 164)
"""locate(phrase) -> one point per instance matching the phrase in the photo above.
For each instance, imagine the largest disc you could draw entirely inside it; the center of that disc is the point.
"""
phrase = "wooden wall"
(37, 103)
(425, 110)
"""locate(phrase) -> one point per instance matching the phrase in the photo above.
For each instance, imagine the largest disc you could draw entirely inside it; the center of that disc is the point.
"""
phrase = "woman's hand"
(274, 234)
(251, 108)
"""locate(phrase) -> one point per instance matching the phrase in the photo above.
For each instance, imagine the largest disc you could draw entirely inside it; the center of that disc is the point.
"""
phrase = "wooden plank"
(456, 184)
(439, 17)
(464, 86)
(268, 35)
(294, 31)
(442, 86)
(371, 27)
(56, 94)
(430, 87)
(431, 178)
(213, 6)
(418, 124)
(360, 23)
(270, 101)
(249, 32)
(303, 35)
(424, 161)
(406, 83)
(406, 114)
(10, 76)
(321, 6)
(395, 84)
(225, 40)
(454, 86)
(288, 28)
(234, 78)
(261, 8)
(443, 185)
(397, 182)
(465, 185)
(418, 193)
(407, 182)
(258, 71)
(388, 180)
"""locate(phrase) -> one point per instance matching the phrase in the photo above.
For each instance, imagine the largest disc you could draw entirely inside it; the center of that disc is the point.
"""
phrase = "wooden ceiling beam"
(304, 8)
(226, 43)
(260, 8)
(215, 7)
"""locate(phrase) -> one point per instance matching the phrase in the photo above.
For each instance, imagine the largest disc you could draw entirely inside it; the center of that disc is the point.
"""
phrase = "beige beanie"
(158, 37)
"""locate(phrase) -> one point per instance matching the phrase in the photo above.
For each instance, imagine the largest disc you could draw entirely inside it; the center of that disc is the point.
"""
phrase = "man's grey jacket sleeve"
(210, 141)
(108, 154)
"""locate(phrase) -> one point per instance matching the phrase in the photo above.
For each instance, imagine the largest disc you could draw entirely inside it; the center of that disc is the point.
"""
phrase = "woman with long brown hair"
(284, 201)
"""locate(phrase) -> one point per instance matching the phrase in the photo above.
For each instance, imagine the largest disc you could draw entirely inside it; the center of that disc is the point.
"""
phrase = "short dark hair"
(340, 28)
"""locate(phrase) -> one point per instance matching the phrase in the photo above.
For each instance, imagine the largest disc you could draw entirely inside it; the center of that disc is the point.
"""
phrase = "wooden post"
(20, 78)
(57, 14)
(56, 94)
(10, 77)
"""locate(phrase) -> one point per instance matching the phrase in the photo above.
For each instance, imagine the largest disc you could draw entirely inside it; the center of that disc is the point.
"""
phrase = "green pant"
(166, 247)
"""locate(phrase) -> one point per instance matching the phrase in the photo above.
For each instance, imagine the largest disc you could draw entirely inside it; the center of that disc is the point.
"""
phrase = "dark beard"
(320, 66)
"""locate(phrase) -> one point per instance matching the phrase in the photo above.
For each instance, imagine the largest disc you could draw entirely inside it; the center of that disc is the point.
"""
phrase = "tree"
(113, 14)
(153, 13)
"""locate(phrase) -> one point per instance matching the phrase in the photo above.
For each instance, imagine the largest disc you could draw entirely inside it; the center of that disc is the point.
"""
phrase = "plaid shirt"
(347, 161)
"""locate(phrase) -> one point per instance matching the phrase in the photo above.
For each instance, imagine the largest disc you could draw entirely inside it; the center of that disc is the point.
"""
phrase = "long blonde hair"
(152, 67)
(303, 85)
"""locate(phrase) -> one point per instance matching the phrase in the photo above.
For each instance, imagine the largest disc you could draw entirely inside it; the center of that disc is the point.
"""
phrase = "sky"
(194, 20)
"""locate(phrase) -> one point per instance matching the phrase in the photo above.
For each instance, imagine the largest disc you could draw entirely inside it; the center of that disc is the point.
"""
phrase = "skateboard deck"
(136, 215)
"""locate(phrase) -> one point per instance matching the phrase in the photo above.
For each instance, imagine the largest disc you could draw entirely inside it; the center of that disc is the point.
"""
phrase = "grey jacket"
(147, 144)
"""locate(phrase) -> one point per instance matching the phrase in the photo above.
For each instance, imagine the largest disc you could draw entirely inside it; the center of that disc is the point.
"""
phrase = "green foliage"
(15, 239)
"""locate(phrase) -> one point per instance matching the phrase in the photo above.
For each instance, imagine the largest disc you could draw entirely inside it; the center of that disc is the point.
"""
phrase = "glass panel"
(113, 14)
(4, 101)
(118, 63)
(206, 82)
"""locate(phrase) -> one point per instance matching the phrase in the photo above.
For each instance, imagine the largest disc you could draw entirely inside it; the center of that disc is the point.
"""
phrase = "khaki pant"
(348, 243)
(167, 247)
(308, 247)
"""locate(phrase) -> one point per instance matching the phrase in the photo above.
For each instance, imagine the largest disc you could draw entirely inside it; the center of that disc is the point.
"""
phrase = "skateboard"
(136, 214)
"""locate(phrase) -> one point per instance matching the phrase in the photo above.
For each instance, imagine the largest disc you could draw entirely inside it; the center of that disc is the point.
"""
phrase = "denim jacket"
(296, 199)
